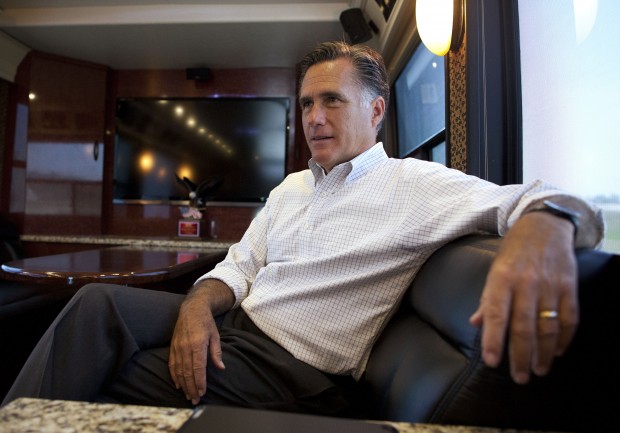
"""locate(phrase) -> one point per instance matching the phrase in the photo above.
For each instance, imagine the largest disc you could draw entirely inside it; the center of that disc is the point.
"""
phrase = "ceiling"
(175, 34)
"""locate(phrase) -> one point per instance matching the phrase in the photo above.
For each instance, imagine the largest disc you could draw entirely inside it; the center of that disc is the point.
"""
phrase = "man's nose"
(316, 115)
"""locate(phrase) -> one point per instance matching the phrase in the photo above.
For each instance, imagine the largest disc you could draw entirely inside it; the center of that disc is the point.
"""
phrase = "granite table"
(26, 415)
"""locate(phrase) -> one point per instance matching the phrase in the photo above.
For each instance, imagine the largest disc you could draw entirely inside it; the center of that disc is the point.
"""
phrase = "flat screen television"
(233, 147)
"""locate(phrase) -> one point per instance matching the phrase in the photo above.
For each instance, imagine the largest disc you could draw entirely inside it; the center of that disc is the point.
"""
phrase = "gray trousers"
(111, 344)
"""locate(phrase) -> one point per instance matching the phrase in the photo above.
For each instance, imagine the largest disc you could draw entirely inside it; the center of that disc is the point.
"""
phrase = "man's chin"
(320, 154)
(326, 163)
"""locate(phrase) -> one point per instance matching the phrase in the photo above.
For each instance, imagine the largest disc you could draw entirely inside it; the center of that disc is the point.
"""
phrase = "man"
(301, 299)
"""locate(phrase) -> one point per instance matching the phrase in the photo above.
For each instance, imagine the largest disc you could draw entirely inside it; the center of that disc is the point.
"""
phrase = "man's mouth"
(318, 138)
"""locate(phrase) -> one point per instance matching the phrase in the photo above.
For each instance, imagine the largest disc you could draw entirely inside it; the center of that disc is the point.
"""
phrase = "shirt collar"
(357, 167)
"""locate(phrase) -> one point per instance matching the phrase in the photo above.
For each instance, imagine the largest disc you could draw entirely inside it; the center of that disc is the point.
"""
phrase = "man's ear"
(378, 110)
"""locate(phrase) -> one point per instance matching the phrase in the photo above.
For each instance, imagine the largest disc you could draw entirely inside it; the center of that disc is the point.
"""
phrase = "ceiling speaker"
(355, 25)
(198, 74)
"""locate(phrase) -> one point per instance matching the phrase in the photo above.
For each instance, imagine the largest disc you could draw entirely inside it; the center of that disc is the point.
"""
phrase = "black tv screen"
(234, 147)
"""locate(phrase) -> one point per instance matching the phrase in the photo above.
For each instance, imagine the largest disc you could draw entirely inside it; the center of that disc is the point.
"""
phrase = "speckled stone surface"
(128, 241)
(27, 415)
(57, 416)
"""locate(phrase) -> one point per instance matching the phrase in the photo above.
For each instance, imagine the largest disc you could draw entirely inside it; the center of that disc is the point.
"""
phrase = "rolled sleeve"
(244, 259)
(233, 279)
(591, 230)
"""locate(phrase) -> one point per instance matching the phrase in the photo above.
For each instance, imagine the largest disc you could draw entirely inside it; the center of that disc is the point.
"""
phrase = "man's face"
(338, 123)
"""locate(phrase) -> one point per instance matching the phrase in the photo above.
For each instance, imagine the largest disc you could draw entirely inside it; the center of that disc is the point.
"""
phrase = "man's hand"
(196, 338)
(534, 272)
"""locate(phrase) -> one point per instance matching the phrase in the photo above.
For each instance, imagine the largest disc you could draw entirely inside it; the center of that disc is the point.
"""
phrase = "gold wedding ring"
(548, 314)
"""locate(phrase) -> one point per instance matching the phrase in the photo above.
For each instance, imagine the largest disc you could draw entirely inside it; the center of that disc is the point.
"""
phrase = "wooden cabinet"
(69, 100)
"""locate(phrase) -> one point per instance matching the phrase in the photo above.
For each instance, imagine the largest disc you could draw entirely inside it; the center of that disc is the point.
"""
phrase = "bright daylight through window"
(570, 64)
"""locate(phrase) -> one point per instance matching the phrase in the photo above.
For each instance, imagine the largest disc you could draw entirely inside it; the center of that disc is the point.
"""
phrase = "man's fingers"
(494, 314)
(199, 373)
(548, 331)
(196, 337)
(189, 350)
(522, 336)
(215, 350)
(185, 364)
(175, 367)
(534, 270)
(556, 328)
(568, 321)
(194, 367)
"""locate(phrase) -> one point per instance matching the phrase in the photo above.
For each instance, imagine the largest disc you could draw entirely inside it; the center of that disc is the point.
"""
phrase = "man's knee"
(97, 289)
(101, 297)
(96, 293)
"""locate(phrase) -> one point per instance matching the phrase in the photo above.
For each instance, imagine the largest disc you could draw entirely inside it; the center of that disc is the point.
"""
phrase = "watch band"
(560, 211)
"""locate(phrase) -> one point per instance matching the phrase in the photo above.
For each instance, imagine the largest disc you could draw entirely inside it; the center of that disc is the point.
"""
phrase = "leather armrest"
(426, 367)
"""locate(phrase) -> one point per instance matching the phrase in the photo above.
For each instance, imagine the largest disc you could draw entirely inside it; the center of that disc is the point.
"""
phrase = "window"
(570, 89)
(420, 100)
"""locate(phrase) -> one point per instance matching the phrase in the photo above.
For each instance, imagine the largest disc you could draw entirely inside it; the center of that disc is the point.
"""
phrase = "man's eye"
(331, 99)
(306, 104)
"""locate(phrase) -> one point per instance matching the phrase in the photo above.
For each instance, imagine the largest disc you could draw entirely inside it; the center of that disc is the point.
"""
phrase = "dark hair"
(368, 64)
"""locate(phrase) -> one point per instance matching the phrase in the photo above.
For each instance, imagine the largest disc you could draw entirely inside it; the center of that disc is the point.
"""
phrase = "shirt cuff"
(591, 226)
(232, 279)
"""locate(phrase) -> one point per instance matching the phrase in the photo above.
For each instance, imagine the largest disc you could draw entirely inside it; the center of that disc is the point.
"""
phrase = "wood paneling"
(70, 100)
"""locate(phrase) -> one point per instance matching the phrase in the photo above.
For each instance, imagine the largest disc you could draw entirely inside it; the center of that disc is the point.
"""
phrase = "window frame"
(494, 121)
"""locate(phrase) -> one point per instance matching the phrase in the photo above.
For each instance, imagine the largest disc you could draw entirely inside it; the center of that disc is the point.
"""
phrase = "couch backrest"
(426, 367)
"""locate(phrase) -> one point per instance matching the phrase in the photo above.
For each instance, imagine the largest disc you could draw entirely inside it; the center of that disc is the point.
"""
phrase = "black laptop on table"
(223, 419)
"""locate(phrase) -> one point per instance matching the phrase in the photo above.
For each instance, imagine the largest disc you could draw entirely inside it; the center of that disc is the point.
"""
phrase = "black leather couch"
(427, 365)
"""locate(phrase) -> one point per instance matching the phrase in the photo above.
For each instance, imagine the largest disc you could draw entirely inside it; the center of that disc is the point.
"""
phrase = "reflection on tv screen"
(235, 148)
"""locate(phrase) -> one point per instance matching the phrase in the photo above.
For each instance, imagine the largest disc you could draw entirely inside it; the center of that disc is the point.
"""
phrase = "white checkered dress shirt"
(323, 265)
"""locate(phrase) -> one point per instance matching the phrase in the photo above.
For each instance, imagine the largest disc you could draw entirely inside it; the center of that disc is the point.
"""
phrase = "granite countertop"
(57, 416)
(27, 415)
(128, 241)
